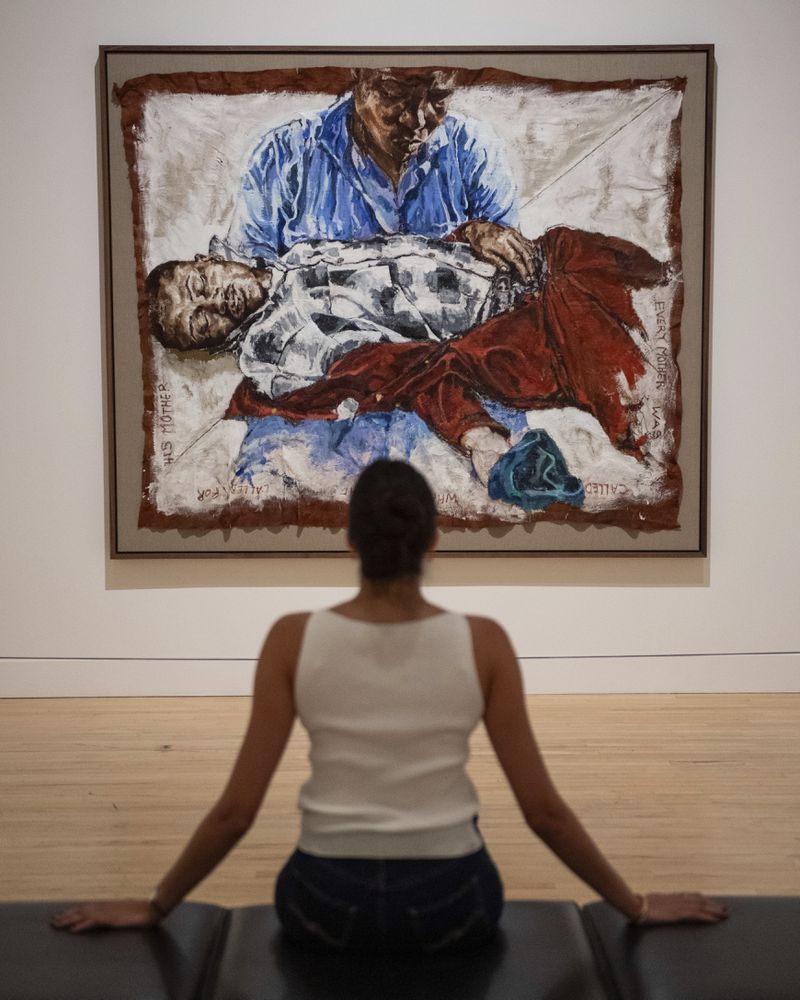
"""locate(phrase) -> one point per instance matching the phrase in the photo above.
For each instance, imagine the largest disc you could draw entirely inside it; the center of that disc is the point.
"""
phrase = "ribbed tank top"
(389, 709)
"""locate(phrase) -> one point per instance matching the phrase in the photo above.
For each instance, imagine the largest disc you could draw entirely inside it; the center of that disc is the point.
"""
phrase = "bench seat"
(541, 952)
(545, 951)
(170, 962)
(753, 955)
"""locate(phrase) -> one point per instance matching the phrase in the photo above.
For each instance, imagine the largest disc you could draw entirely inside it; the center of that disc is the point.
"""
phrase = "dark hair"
(392, 520)
(152, 286)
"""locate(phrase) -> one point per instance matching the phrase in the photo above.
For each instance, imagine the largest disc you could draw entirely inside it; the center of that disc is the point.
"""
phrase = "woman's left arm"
(271, 718)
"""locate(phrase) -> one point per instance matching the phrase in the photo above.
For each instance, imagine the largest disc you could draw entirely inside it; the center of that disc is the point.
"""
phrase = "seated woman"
(389, 687)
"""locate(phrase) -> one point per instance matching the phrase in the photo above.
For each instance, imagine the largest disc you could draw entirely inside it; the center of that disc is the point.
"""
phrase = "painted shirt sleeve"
(265, 198)
(488, 183)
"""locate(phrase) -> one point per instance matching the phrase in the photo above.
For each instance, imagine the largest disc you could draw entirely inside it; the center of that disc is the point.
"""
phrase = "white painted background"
(74, 623)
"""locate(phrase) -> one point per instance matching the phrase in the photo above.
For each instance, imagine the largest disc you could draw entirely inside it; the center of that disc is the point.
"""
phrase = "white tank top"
(389, 709)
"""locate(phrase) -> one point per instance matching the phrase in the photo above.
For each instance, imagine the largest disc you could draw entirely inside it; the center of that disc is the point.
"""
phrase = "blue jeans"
(431, 905)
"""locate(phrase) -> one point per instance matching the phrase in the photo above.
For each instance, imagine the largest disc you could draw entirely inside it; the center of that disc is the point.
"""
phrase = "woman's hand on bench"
(681, 907)
(106, 913)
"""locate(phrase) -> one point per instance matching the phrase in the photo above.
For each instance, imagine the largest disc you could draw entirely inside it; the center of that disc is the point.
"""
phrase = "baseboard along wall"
(721, 673)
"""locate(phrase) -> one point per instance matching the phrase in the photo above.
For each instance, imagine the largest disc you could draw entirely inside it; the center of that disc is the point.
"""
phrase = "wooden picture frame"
(608, 151)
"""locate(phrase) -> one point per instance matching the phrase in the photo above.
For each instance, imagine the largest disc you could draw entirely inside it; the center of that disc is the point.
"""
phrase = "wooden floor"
(681, 791)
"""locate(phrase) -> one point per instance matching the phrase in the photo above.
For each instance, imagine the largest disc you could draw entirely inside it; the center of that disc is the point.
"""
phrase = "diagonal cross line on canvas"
(197, 440)
(593, 150)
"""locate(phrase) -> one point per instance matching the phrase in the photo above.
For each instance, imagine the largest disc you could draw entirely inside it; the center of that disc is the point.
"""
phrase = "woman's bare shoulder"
(486, 630)
(285, 637)
(492, 650)
(292, 623)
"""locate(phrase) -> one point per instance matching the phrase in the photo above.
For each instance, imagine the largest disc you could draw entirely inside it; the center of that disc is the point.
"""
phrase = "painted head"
(392, 520)
(198, 303)
(400, 108)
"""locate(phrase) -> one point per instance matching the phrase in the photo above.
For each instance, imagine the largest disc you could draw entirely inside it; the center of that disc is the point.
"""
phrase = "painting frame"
(125, 311)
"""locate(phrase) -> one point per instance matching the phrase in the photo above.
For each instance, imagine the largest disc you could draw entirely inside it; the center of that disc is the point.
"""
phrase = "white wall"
(74, 623)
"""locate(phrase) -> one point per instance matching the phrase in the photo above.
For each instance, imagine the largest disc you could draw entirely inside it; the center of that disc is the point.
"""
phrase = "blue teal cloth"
(308, 180)
(533, 475)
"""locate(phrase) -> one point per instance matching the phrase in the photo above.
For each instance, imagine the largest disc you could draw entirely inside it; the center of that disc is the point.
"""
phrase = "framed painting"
(491, 263)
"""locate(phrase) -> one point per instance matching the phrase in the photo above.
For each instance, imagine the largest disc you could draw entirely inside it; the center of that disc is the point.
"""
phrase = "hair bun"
(392, 519)
(399, 512)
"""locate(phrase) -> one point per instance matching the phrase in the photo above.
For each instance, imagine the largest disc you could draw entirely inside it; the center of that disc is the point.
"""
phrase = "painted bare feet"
(485, 447)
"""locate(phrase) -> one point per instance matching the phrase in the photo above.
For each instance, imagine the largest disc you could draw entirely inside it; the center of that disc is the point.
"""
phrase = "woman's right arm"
(545, 812)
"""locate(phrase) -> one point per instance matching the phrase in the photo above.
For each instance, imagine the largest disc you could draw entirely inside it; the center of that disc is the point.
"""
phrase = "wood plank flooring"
(97, 796)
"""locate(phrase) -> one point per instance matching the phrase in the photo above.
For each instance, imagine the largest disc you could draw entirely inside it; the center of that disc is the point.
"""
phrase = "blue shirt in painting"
(308, 180)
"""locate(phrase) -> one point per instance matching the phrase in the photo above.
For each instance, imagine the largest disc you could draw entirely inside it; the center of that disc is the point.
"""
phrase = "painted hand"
(105, 913)
(502, 246)
(485, 447)
(683, 907)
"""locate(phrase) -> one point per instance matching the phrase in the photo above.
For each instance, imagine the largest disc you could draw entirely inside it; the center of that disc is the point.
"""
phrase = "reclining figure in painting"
(335, 330)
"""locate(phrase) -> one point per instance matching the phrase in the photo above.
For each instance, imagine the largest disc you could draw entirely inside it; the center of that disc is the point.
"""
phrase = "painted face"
(203, 301)
(399, 109)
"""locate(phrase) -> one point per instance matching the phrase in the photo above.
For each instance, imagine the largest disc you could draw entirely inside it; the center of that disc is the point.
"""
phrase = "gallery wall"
(76, 623)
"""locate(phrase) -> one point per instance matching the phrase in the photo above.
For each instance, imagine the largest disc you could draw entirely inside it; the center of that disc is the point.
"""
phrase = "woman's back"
(389, 707)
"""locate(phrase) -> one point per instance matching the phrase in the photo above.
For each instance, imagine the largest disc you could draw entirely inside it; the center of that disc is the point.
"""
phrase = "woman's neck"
(399, 599)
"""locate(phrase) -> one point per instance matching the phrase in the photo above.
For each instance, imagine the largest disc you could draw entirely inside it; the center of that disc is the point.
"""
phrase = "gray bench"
(546, 951)
(753, 955)
(171, 962)
(542, 951)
